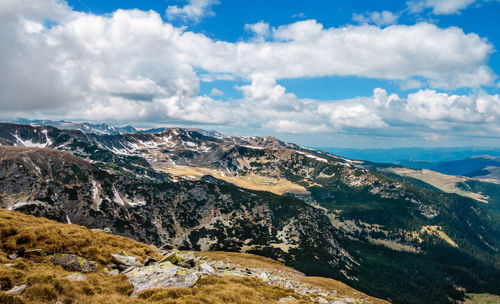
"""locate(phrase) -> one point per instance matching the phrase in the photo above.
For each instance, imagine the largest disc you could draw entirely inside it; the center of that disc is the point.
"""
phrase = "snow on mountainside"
(85, 127)
(395, 231)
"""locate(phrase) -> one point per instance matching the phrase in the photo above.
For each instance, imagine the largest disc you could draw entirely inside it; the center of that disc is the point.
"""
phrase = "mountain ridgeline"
(320, 213)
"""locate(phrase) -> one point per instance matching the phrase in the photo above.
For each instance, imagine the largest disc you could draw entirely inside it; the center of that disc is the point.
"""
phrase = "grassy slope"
(47, 283)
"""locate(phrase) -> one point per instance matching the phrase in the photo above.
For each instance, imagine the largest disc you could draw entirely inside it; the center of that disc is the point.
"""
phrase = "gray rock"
(219, 265)
(149, 260)
(321, 300)
(34, 252)
(112, 266)
(206, 269)
(128, 269)
(73, 262)
(287, 299)
(12, 256)
(107, 230)
(173, 258)
(263, 276)
(114, 272)
(162, 275)
(125, 261)
(75, 276)
(17, 289)
(167, 246)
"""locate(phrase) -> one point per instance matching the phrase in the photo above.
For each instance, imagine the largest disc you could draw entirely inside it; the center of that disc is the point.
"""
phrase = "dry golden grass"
(47, 284)
(482, 298)
(227, 289)
(446, 183)
(251, 181)
(342, 289)
(23, 232)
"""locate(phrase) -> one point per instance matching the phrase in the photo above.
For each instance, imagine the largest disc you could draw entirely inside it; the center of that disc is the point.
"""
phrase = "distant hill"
(86, 127)
(417, 158)
(482, 167)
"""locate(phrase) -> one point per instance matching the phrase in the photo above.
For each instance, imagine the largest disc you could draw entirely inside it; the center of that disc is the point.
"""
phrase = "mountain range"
(383, 232)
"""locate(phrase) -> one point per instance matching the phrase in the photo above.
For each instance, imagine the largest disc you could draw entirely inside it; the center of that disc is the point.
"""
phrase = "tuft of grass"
(10, 299)
(19, 232)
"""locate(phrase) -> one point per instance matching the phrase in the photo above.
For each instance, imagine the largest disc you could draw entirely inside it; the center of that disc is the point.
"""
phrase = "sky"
(361, 74)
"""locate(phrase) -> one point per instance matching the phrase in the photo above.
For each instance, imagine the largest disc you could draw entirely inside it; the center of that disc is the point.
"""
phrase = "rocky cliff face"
(190, 214)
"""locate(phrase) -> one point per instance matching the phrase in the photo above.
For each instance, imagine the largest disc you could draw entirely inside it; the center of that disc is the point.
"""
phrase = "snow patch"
(137, 203)
(28, 143)
(118, 199)
(47, 139)
(253, 147)
(313, 157)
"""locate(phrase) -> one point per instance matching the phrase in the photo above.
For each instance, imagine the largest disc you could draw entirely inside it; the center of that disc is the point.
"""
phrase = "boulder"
(17, 290)
(173, 258)
(73, 262)
(124, 261)
(75, 276)
(162, 275)
(206, 269)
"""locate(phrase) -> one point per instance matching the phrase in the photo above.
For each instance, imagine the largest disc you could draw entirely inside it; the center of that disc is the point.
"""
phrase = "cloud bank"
(131, 66)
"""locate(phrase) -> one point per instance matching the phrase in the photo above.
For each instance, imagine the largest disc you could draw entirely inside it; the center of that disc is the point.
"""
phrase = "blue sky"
(319, 73)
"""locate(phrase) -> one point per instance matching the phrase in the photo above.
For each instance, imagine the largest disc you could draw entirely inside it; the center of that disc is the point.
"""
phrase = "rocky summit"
(320, 213)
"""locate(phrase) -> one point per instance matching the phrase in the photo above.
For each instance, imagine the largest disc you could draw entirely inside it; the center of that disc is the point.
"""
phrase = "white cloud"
(132, 66)
(195, 10)
(446, 58)
(261, 30)
(216, 92)
(428, 105)
(378, 18)
(439, 7)
(296, 127)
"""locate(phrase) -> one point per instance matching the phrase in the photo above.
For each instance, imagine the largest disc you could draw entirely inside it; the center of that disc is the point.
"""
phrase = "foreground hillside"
(322, 214)
(27, 244)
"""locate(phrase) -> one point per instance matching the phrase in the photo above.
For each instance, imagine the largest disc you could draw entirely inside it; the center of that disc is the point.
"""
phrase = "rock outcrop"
(73, 262)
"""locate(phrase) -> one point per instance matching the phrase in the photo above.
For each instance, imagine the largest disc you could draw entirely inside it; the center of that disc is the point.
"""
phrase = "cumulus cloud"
(439, 7)
(261, 30)
(446, 58)
(378, 18)
(132, 66)
(195, 10)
